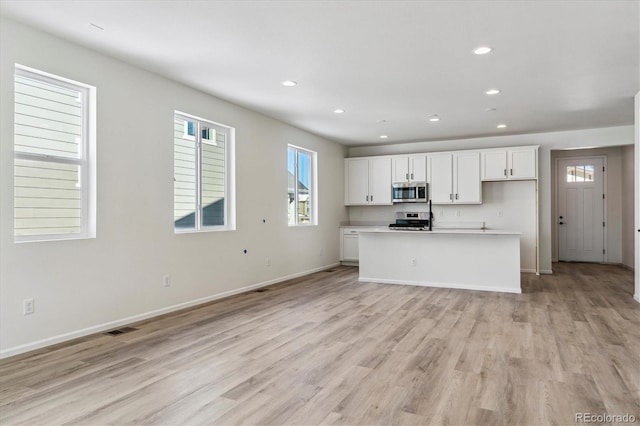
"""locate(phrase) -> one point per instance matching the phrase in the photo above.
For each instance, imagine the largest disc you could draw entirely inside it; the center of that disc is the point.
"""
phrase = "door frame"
(556, 212)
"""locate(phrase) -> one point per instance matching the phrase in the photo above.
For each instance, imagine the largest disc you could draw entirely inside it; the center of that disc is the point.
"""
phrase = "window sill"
(204, 230)
(48, 238)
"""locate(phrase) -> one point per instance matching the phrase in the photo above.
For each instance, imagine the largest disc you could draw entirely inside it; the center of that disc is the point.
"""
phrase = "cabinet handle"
(511, 172)
(457, 196)
(411, 176)
(505, 172)
(451, 197)
(367, 198)
(407, 176)
(371, 198)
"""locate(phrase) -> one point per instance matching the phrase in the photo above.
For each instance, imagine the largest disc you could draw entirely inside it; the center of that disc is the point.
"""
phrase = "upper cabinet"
(368, 181)
(454, 177)
(411, 168)
(510, 163)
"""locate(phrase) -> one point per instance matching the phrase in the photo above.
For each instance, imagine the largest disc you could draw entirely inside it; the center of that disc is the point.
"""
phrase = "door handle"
(561, 223)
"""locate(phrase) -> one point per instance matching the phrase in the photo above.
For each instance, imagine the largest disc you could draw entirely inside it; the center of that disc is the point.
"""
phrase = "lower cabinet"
(350, 247)
(349, 251)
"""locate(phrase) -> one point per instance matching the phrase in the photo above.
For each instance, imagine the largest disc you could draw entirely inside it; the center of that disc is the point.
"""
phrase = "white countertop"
(443, 231)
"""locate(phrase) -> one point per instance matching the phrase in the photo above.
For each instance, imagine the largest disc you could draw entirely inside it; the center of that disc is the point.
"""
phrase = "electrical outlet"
(414, 261)
(28, 306)
(500, 213)
(441, 213)
(166, 281)
(458, 213)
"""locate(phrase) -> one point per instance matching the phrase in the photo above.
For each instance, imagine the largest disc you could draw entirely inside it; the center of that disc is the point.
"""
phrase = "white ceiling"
(560, 65)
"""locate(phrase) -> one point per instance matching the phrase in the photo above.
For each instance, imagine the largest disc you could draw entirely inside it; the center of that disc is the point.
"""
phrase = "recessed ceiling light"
(492, 92)
(434, 118)
(501, 126)
(338, 111)
(289, 83)
(482, 50)
(384, 136)
(95, 27)
(490, 110)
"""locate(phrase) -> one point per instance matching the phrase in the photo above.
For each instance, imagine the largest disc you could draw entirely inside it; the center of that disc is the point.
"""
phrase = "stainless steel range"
(412, 221)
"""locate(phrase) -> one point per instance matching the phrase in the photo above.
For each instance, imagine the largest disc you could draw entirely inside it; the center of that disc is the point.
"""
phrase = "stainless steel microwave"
(410, 192)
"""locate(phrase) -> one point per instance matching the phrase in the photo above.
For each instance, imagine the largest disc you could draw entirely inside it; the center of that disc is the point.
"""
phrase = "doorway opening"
(581, 208)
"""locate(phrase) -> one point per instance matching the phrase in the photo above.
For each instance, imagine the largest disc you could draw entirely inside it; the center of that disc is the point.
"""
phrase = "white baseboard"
(546, 271)
(444, 285)
(637, 297)
(528, 271)
(16, 350)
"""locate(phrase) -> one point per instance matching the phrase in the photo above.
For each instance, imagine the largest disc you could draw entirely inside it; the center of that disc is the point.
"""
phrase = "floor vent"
(261, 290)
(120, 331)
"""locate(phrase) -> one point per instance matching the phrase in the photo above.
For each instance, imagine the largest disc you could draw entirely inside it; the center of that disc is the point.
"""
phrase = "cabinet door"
(418, 168)
(380, 180)
(468, 187)
(440, 172)
(522, 163)
(357, 187)
(494, 165)
(350, 247)
(400, 169)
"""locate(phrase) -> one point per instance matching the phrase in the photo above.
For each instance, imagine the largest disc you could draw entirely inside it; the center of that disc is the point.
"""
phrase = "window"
(202, 167)
(54, 157)
(301, 166)
(583, 173)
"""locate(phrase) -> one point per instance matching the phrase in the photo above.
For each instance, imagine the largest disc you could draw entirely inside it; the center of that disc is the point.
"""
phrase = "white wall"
(637, 196)
(87, 285)
(611, 136)
(615, 194)
(628, 190)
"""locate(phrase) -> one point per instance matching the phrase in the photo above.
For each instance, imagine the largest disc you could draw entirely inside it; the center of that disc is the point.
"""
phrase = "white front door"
(581, 209)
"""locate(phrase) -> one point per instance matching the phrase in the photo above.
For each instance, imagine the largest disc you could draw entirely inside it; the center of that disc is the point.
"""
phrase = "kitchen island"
(487, 260)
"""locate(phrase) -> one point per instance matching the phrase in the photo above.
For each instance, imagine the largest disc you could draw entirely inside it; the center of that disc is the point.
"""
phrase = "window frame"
(229, 174)
(313, 186)
(86, 160)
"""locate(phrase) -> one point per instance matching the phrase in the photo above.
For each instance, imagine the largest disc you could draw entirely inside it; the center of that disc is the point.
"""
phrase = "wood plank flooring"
(326, 349)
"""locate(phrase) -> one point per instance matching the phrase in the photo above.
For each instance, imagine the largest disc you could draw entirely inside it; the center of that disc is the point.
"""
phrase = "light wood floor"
(325, 349)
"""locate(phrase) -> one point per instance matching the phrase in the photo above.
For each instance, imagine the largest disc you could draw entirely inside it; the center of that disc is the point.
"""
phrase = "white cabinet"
(368, 181)
(510, 163)
(440, 177)
(454, 177)
(412, 168)
(349, 245)
(350, 240)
